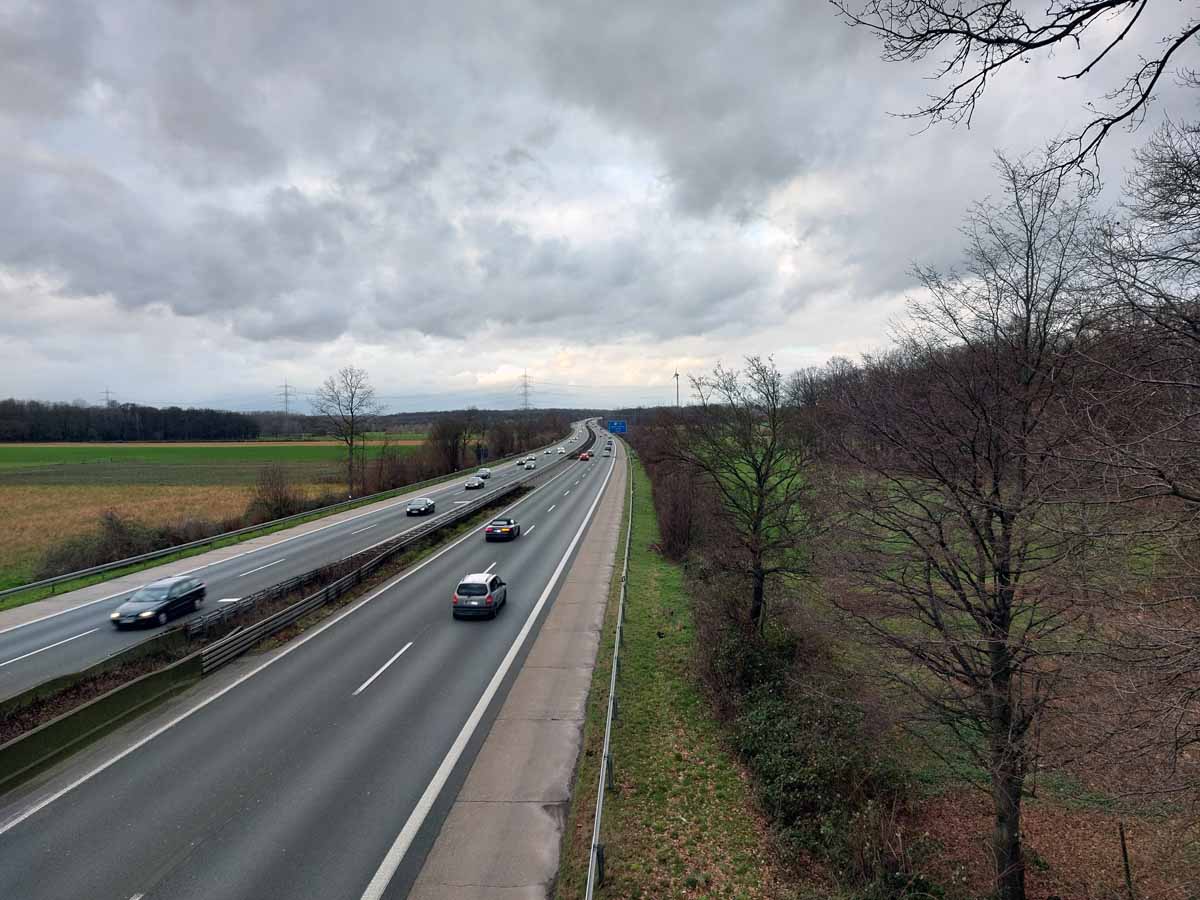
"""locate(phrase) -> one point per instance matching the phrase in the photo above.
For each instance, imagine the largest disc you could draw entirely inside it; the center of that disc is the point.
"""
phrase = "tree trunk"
(758, 604)
(1008, 775)
(1006, 839)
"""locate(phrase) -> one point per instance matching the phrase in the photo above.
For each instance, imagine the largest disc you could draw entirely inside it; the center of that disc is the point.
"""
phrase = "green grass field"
(177, 464)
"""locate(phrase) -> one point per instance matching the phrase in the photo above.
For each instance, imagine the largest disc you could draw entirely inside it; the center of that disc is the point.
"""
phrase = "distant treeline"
(32, 420)
(274, 423)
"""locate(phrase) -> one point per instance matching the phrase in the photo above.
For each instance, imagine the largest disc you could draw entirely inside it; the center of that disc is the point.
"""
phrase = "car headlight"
(145, 615)
(115, 615)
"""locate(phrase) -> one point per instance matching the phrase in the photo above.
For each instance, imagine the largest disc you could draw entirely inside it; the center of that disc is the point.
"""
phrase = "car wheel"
(162, 618)
(492, 614)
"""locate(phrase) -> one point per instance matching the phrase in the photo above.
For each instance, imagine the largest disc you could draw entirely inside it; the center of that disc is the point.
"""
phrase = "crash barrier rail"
(216, 538)
(28, 753)
(595, 873)
(230, 647)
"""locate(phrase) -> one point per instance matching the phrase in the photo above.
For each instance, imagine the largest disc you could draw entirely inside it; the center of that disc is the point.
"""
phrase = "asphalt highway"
(325, 771)
(80, 636)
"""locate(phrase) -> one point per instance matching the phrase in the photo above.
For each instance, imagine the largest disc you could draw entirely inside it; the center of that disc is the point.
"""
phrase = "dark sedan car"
(473, 484)
(502, 530)
(422, 506)
(159, 601)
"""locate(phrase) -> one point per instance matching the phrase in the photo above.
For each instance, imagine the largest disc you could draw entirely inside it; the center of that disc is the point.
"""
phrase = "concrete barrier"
(23, 756)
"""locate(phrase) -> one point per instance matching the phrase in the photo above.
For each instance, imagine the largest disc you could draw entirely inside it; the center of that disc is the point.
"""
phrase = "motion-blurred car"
(473, 484)
(546, 451)
(562, 449)
(484, 473)
(158, 601)
(584, 456)
(480, 594)
(421, 506)
(530, 465)
(502, 530)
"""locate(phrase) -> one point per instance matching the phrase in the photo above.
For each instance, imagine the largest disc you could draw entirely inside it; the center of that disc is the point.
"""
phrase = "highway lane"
(297, 780)
(40, 650)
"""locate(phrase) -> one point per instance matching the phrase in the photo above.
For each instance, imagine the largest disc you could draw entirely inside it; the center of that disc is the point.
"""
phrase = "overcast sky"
(199, 200)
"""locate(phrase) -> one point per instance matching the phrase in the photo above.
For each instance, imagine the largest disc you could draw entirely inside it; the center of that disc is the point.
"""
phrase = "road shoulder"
(501, 836)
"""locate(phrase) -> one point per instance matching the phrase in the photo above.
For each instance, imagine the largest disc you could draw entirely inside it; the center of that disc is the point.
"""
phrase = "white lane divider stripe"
(461, 502)
(366, 684)
(47, 647)
(567, 491)
(361, 530)
(260, 568)
(489, 568)
(551, 509)
(529, 530)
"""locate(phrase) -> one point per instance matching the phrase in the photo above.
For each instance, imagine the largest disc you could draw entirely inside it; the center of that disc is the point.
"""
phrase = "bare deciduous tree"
(347, 402)
(981, 38)
(736, 439)
(953, 525)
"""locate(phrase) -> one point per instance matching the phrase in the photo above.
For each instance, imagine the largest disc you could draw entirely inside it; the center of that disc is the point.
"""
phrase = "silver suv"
(481, 594)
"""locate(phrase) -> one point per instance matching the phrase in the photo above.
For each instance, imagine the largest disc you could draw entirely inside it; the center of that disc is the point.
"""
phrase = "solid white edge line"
(260, 568)
(287, 649)
(229, 599)
(366, 684)
(395, 855)
(47, 647)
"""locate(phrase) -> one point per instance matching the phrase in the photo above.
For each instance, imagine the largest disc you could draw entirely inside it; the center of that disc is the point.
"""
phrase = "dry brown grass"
(37, 516)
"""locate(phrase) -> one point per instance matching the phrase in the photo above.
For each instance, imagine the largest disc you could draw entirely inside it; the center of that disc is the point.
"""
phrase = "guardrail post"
(599, 850)
(609, 777)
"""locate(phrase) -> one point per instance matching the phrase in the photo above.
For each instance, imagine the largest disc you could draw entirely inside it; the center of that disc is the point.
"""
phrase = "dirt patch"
(1072, 854)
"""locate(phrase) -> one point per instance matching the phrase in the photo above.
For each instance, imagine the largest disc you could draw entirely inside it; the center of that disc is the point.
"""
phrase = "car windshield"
(501, 523)
(472, 589)
(421, 502)
(151, 593)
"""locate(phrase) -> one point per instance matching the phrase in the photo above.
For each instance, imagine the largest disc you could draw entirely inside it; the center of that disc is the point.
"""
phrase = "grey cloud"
(565, 173)
(45, 49)
(206, 135)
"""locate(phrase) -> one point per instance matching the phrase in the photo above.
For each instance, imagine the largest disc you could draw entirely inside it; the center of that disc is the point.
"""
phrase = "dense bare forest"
(979, 544)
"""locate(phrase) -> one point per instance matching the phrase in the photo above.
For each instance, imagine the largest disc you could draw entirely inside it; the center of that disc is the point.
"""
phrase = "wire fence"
(595, 874)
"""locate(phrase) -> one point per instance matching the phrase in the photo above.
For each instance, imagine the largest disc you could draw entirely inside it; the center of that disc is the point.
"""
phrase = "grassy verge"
(682, 822)
(34, 594)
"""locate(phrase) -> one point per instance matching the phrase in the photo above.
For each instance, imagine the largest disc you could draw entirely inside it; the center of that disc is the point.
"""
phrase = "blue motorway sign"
(616, 426)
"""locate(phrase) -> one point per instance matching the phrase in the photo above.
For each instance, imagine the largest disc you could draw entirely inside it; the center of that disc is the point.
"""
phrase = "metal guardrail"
(595, 873)
(233, 645)
(192, 545)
